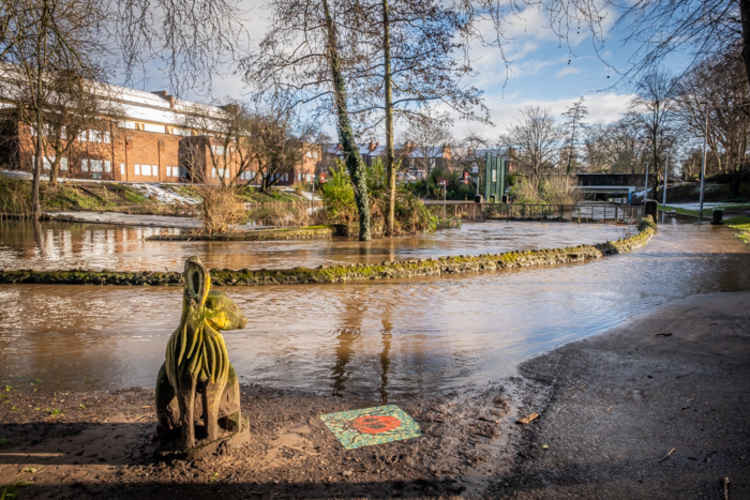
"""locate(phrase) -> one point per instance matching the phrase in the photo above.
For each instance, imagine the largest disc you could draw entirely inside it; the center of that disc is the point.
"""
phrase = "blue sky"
(543, 71)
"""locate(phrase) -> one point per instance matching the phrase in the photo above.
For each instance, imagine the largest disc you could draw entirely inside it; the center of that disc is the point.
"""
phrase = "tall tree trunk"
(354, 163)
(36, 208)
(745, 16)
(389, 166)
(53, 169)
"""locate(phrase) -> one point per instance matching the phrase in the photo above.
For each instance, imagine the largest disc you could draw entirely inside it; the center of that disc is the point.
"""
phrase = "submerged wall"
(341, 273)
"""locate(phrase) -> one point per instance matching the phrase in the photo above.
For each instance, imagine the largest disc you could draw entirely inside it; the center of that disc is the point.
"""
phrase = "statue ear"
(197, 280)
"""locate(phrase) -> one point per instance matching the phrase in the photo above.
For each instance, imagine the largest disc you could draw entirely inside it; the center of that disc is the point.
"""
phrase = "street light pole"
(666, 173)
(703, 167)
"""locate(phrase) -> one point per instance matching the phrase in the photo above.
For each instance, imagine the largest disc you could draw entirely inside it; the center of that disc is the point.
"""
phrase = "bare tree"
(425, 138)
(655, 104)
(189, 40)
(716, 91)
(302, 56)
(222, 148)
(573, 124)
(703, 27)
(47, 38)
(617, 147)
(421, 42)
(77, 106)
(536, 142)
(274, 149)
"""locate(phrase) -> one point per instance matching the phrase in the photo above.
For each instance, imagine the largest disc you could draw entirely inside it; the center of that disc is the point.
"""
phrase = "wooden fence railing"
(584, 212)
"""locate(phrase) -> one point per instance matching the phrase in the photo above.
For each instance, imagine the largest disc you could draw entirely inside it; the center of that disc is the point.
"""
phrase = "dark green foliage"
(338, 196)
(431, 189)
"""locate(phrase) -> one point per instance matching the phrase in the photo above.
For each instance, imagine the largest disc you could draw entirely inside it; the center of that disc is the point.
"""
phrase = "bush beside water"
(338, 196)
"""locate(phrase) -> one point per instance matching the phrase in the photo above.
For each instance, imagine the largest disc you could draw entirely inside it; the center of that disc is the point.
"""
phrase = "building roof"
(133, 104)
(333, 148)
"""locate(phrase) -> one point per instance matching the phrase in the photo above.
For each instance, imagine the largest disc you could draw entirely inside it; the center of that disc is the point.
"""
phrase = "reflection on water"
(56, 245)
(375, 339)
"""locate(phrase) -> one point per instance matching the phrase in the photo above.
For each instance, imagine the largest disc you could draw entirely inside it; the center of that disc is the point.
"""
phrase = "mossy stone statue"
(197, 392)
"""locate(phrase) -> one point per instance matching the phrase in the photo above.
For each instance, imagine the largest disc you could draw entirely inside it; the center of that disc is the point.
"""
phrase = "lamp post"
(703, 168)
(666, 173)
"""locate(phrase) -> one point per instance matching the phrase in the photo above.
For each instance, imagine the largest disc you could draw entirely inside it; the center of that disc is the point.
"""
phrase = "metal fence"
(583, 212)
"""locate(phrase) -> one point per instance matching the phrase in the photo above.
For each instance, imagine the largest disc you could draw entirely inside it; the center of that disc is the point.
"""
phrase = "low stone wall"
(398, 269)
(290, 233)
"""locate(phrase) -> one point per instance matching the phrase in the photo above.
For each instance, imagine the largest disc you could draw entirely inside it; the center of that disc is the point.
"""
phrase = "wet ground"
(377, 341)
(654, 409)
(97, 246)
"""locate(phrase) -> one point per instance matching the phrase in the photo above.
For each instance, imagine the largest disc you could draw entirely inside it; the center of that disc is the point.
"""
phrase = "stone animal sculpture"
(197, 392)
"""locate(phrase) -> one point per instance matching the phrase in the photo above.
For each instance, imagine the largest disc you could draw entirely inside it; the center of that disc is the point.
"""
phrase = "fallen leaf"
(669, 454)
(528, 418)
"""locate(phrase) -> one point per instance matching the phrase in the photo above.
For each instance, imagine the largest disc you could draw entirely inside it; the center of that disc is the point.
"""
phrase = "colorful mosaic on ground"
(369, 426)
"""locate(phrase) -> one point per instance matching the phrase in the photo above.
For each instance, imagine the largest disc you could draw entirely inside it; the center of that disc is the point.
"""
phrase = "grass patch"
(728, 207)
(741, 226)
(254, 195)
(15, 196)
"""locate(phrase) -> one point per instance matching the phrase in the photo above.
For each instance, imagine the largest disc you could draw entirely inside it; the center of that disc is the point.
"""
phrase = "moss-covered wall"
(398, 269)
(290, 233)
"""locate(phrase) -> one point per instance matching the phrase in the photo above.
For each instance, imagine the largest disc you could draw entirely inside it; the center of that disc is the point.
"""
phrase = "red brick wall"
(151, 152)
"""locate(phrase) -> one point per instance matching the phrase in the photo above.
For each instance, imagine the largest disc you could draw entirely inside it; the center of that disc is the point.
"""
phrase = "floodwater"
(375, 340)
(93, 246)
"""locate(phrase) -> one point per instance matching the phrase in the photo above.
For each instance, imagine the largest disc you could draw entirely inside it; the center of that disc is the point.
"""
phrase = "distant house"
(416, 163)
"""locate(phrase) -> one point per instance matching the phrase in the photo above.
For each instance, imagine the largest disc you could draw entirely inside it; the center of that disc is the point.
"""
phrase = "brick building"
(144, 137)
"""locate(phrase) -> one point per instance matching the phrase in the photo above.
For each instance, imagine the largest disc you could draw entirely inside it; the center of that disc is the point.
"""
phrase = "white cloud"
(505, 112)
(567, 71)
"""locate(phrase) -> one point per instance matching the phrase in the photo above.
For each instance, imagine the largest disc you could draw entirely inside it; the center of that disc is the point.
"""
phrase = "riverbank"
(653, 409)
(100, 445)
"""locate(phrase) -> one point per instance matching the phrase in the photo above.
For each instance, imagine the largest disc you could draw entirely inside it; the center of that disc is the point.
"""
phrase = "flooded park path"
(97, 247)
(427, 336)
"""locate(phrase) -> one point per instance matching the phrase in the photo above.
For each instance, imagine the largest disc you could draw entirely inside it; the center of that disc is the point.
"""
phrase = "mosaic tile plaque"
(370, 426)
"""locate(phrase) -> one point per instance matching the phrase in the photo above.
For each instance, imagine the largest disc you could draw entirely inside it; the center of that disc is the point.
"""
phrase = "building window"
(122, 169)
(64, 164)
(137, 169)
(107, 166)
(83, 136)
(247, 175)
(152, 127)
(100, 136)
(95, 165)
(85, 165)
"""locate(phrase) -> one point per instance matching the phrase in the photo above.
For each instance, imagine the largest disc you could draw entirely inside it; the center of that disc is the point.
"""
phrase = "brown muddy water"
(93, 246)
(375, 340)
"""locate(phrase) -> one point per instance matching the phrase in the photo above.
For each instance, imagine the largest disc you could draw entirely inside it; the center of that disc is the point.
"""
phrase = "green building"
(495, 175)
